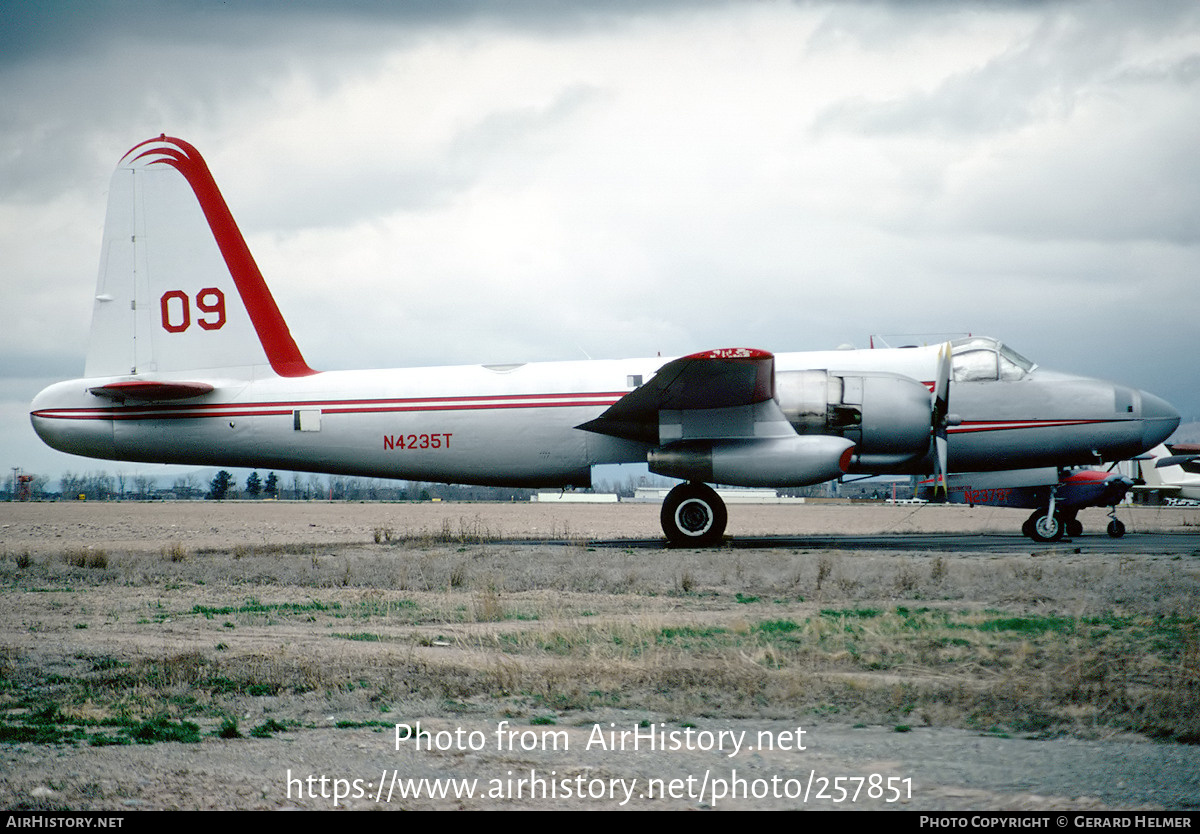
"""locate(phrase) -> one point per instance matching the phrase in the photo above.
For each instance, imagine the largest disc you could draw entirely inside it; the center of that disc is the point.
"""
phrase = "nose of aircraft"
(1159, 419)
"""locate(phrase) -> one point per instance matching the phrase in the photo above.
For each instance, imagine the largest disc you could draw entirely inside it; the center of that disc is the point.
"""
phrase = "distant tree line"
(629, 487)
(37, 486)
(102, 485)
(312, 487)
(94, 486)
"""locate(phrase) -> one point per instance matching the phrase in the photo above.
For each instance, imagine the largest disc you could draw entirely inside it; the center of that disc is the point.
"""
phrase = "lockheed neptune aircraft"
(191, 362)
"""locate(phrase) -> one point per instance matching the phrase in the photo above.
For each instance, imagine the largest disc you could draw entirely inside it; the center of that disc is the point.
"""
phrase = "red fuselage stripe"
(1006, 425)
(175, 411)
(365, 406)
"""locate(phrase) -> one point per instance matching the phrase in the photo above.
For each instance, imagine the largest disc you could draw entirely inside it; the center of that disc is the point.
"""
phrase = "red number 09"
(177, 318)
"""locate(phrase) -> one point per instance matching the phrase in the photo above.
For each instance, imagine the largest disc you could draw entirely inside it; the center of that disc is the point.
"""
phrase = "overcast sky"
(426, 183)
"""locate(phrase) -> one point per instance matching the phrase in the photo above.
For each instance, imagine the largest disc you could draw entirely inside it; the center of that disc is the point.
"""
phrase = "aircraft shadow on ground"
(938, 543)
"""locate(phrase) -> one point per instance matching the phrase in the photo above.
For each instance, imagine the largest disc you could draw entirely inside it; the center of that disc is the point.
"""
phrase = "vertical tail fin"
(1151, 474)
(1172, 472)
(178, 289)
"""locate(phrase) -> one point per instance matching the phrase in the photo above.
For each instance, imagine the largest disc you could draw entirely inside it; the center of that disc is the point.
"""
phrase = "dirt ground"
(558, 674)
(197, 524)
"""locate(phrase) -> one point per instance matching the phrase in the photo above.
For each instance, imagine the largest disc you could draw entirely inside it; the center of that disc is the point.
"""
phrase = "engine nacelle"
(887, 416)
(761, 462)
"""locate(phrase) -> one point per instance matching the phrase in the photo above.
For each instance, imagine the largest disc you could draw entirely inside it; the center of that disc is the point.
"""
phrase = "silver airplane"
(191, 362)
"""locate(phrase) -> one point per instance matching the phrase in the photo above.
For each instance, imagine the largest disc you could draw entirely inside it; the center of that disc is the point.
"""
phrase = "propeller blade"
(940, 445)
(939, 420)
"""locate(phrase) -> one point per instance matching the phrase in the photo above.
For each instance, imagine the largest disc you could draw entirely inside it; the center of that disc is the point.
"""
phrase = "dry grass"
(86, 557)
(1017, 644)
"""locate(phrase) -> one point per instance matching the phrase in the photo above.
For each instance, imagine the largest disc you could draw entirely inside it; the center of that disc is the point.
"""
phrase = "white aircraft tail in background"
(1170, 475)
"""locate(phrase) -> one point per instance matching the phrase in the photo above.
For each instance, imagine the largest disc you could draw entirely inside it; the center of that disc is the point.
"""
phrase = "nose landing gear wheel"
(1116, 528)
(693, 515)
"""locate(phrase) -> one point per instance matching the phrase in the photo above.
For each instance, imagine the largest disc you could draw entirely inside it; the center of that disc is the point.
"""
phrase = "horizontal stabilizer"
(710, 380)
(1175, 460)
(149, 391)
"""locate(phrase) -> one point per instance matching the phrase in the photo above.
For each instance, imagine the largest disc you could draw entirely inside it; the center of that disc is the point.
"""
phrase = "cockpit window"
(974, 365)
(1012, 364)
(982, 359)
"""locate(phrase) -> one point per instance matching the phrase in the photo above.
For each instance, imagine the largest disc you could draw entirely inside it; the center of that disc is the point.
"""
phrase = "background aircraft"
(1071, 491)
(1163, 471)
(1172, 473)
(191, 361)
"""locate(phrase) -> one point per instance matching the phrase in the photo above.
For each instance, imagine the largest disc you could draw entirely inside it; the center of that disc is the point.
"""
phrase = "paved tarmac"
(1134, 543)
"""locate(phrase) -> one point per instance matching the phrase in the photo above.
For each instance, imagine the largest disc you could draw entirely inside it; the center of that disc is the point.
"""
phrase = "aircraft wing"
(716, 394)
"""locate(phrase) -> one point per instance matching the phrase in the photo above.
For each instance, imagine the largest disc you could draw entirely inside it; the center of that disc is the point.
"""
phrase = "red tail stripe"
(268, 322)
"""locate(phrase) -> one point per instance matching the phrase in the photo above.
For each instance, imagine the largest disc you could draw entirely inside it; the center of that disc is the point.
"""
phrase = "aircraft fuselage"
(516, 425)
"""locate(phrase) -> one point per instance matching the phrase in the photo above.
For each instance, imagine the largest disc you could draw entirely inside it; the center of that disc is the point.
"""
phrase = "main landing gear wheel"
(693, 515)
(1074, 526)
(1044, 527)
(1116, 528)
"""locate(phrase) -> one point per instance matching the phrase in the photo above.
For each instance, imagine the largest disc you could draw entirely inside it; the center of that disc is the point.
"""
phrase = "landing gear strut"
(1049, 523)
(693, 515)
